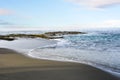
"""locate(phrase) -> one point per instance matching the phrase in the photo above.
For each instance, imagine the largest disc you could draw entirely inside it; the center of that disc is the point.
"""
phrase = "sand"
(14, 66)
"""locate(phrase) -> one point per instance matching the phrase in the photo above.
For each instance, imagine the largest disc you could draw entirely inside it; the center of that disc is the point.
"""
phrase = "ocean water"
(20, 32)
(99, 49)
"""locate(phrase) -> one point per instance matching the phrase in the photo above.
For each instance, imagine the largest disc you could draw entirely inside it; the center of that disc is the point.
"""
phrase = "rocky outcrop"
(47, 35)
(6, 38)
(61, 33)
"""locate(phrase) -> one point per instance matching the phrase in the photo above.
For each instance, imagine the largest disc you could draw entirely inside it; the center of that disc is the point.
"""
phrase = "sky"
(59, 14)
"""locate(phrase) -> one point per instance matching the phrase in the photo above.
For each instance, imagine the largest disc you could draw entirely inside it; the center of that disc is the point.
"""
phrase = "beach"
(60, 40)
(15, 66)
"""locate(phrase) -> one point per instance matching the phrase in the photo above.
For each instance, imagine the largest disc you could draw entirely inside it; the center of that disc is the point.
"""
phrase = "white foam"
(101, 60)
(24, 45)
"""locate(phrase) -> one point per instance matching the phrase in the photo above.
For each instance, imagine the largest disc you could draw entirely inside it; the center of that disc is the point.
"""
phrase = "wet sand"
(14, 66)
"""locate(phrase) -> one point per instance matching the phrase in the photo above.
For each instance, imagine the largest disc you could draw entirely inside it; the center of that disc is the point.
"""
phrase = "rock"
(61, 33)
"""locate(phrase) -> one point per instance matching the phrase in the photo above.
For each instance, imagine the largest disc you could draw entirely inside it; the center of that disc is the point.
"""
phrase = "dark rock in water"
(55, 37)
(61, 33)
(7, 38)
(47, 35)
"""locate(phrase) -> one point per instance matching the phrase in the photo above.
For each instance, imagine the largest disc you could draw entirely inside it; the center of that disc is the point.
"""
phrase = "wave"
(100, 50)
(105, 61)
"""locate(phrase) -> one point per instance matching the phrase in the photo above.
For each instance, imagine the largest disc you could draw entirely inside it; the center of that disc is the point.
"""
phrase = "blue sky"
(59, 14)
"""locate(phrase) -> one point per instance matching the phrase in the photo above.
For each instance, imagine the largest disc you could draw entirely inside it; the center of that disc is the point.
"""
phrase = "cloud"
(112, 22)
(103, 25)
(5, 11)
(5, 23)
(96, 3)
(18, 28)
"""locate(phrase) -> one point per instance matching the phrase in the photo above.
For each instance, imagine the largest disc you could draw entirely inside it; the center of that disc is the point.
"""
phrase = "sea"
(100, 49)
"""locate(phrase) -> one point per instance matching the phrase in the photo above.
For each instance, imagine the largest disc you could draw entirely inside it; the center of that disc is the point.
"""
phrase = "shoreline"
(15, 66)
(114, 73)
(99, 66)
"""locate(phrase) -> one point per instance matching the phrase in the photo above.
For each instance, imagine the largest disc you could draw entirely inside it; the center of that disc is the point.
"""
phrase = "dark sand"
(14, 66)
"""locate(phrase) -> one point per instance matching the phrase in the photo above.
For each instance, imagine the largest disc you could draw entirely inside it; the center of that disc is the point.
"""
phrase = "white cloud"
(5, 11)
(108, 24)
(104, 24)
(96, 3)
(112, 22)
(5, 23)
